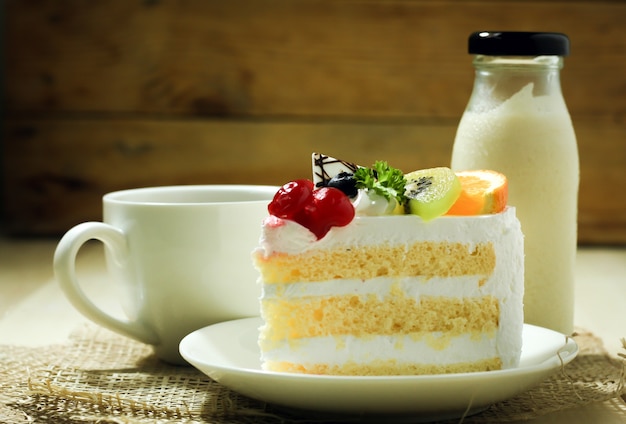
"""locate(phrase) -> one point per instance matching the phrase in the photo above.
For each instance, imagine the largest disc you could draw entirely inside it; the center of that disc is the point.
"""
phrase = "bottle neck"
(498, 78)
(529, 63)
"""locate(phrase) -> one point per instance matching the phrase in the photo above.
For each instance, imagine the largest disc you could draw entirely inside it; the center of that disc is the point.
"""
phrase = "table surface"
(34, 311)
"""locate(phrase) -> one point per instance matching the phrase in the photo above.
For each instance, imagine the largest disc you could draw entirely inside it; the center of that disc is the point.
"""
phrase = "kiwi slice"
(431, 192)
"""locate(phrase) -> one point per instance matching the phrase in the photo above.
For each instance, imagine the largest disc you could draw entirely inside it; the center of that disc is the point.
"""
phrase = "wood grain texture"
(82, 160)
(72, 163)
(107, 95)
(285, 58)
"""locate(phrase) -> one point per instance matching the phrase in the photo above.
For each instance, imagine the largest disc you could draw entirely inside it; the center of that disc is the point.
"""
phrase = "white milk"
(531, 140)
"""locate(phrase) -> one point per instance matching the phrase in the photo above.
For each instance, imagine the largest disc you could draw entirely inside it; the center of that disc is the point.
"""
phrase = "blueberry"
(345, 182)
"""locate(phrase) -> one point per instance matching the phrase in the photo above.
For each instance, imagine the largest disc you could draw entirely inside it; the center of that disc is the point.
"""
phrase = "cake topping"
(345, 182)
(340, 190)
(431, 192)
(383, 180)
(290, 199)
(318, 210)
(329, 208)
(483, 192)
(326, 167)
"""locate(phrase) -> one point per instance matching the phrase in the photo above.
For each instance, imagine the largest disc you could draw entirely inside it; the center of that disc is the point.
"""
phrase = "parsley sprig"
(383, 179)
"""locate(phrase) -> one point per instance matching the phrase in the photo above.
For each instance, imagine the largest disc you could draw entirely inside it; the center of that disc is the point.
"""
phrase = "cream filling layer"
(451, 287)
(428, 349)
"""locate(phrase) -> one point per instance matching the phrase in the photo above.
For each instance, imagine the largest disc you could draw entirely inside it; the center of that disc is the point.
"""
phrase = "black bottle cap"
(516, 43)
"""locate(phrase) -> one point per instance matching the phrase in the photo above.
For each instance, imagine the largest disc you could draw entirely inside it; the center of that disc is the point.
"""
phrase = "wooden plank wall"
(105, 95)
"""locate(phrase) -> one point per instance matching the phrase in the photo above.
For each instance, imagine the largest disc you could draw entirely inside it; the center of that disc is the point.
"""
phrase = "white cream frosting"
(287, 236)
(368, 203)
(337, 350)
(506, 283)
(450, 287)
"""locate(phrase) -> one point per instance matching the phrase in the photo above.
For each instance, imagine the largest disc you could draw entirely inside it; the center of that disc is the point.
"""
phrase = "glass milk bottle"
(517, 122)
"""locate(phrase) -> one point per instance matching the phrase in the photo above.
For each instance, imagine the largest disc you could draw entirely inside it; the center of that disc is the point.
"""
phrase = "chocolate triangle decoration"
(326, 167)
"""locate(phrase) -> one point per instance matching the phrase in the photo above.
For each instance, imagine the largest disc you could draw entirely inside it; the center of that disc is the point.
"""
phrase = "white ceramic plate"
(228, 353)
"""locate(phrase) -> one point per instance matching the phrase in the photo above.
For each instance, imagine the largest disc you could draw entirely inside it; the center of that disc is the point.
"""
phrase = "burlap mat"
(100, 377)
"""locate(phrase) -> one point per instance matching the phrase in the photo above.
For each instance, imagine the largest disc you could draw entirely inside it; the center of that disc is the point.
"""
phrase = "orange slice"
(482, 192)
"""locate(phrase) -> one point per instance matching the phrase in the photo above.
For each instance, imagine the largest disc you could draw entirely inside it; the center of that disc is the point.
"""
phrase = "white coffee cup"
(182, 255)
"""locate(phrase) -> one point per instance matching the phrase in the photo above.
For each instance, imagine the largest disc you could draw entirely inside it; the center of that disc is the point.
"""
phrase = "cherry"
(291, 198)
(330, 208)
(317, 210)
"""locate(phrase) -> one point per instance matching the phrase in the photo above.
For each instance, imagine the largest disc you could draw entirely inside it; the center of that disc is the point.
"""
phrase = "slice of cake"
(355, 282)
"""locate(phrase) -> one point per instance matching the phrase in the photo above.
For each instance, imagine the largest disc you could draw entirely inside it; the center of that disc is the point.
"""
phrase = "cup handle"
(65, 272)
